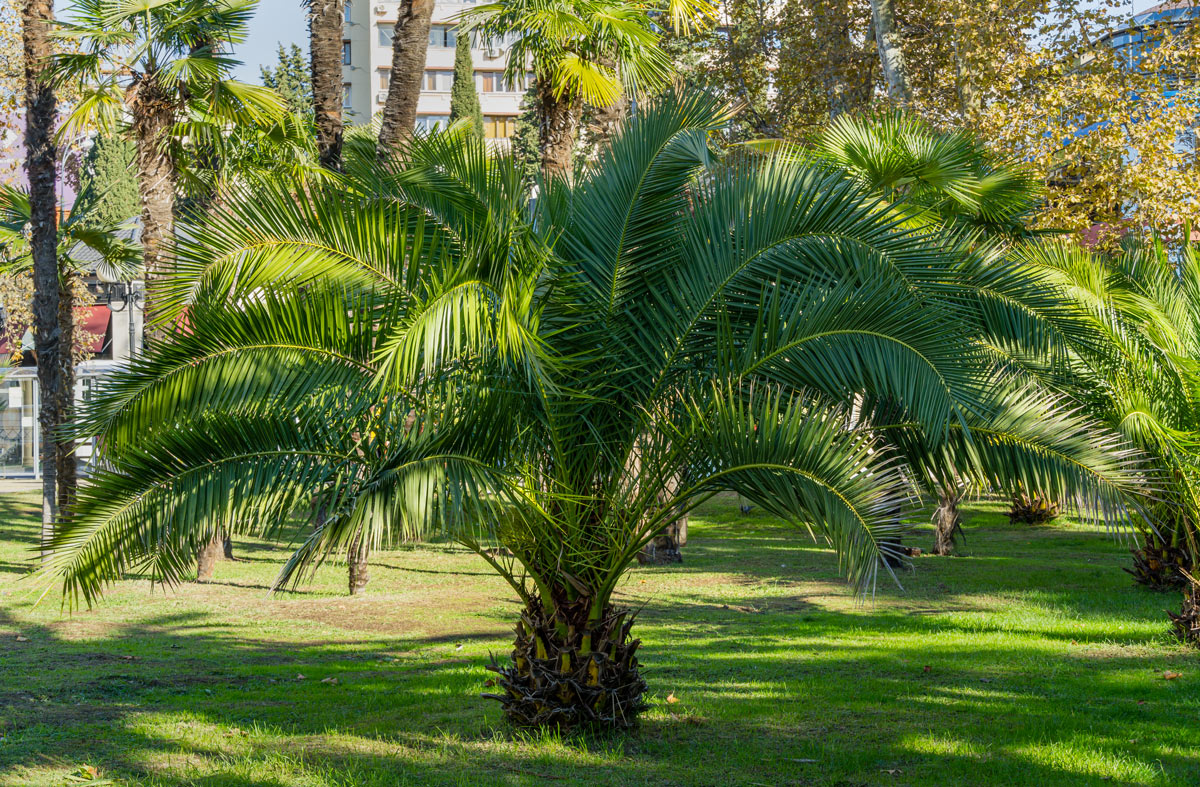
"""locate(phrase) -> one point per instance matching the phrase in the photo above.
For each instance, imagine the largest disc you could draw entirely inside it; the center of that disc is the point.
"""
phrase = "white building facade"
(367, 65)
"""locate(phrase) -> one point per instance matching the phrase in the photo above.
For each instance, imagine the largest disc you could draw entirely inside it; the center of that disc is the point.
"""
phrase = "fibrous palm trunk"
(410, 42)
(41, 170)
(1163, 558)
(325, 47)
(1187, 622)
(65, 467)
(153, 118)
(947, 521)
(360, 549)
(558, 116)
(1032, 509)
(891, 55)
(207, 556)
(569, 672)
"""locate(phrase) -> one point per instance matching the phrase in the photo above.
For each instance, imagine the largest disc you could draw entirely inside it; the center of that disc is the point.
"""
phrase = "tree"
(291, 78)
(108, 187)
(42, 172)
(410, 42)
(142, 71)
(532, 385)
(325, 19)
(464, 101)
(891, 54)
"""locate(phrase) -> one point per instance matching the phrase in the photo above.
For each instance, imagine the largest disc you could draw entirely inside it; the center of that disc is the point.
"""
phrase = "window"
(345, 53)
(347, 18)
(345, 95)
(385, 35)
(495, 82)
(438, 81)
(432, 122)
(385, 78)
(442, 36)
(499, 126)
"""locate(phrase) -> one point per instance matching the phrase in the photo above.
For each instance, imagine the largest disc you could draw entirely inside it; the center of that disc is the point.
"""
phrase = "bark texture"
(947, 522)
(891, 55)
(153, 114)
(325, 45)
(1187, 623)
(557, 118)
(41, 170)
(410, 42)
(566, 673)
(68, 475)
(360, 550)
(207, 556)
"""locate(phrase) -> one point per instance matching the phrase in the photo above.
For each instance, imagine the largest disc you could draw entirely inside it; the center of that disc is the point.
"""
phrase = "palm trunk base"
(552, 681)
(207, 556)
(948, 524)
(1035, 509)
(667, 546)
(1187, 622)
(357, 559)
(1159, 564)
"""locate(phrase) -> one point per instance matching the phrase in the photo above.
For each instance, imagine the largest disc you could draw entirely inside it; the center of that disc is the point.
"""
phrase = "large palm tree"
(410, 43)
(143, 67)
(325, 37)
(411, 349)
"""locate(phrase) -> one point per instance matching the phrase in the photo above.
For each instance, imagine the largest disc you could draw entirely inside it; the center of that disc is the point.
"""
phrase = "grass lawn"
(1032, 660)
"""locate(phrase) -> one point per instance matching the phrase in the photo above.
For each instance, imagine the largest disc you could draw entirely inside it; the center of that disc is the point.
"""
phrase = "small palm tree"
(419, 348)
(143, 67)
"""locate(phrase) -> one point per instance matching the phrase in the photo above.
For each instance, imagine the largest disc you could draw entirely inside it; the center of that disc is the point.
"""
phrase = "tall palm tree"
(411, 350)
(410, 43)
(581, 51)
(41, 170)
(143, 67)
(325, 38)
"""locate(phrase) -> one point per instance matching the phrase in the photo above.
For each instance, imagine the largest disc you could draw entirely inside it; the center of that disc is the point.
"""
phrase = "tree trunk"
(66, 468)
(606, 121)
(891, 55)
(357, 558)
(153, 118)
(567, 671)
(410, 42)
(325, 45)
(557, 118)
(947, 522)
(41, 170)
(227, 547)
(207, 556)
(666, 547)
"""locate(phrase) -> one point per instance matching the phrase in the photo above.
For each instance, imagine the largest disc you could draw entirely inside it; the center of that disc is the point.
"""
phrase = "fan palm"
(418, 348)
(145, 65)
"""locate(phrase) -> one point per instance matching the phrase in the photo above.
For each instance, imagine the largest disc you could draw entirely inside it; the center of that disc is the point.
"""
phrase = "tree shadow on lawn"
(811, 698)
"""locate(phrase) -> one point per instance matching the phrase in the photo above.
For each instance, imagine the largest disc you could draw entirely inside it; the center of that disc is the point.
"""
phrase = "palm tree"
(84, 239)
(410, 43)
(410, 350)
(1140, 375)
(325, 39)
(41, 170)
(582, 51)
(144, 68)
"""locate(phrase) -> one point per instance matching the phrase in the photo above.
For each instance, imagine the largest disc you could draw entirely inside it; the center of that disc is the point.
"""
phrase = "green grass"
(1030, 660)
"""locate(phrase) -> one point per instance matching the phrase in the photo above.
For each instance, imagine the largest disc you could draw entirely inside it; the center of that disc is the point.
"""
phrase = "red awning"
(95, 320)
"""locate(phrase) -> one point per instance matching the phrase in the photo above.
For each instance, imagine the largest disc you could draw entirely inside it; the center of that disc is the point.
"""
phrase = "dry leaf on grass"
(1168, 675)
(672, 699)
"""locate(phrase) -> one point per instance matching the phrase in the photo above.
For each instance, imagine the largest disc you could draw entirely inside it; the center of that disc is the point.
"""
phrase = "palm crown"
(418, 348)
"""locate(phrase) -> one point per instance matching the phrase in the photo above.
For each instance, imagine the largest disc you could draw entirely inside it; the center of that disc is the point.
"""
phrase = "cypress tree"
(291, 79)
(108, 188)
(464, 101)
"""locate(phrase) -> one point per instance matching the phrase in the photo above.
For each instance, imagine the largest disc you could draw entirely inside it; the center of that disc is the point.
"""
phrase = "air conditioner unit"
(381, 97)
(494, 52)
(381, 9)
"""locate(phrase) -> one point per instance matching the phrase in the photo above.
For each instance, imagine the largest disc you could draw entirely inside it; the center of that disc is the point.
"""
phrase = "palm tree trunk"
(357, 558)
(207, 556)
(891, 56)
(571, 669)
(41, 170)
(153, 117)
(325, 45)
(557, 118)
(68, 476)
(947, 521)
(410, 42)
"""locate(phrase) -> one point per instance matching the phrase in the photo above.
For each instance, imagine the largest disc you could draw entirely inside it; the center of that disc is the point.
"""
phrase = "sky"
(276, 22)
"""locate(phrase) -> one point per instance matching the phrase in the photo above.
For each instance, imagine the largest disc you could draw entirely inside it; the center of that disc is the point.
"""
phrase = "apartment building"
(367, 63)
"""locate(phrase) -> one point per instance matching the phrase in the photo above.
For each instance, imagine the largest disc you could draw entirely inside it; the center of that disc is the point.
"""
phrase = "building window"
(385, 35)
(345, 53)
(345, 95)
(346, 17)
(496, 82)
(442, 36)
(385, 78)
(432, 122)
(499, 126)
(438, 81)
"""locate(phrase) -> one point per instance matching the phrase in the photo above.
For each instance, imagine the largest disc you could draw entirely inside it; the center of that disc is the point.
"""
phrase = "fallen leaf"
(672, 699)
(299, 676)
(22, 639)
(329, 680)
(891, 771)
(928, 668)
(1141, 702)
(129, 658)
(1168, 675)
(460, 647)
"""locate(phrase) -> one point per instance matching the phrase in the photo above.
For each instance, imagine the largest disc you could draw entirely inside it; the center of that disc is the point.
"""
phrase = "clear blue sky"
(276, 22)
